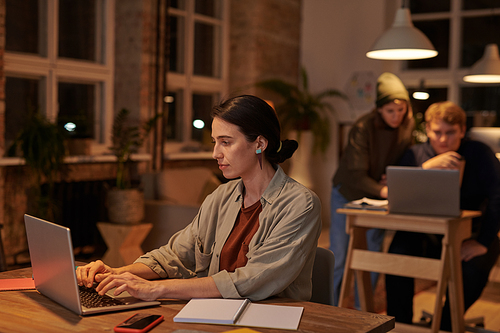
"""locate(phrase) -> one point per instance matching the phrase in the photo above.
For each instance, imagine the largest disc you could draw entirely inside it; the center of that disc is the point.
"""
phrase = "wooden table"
(29, 311)
(446, 270)
(123, 241)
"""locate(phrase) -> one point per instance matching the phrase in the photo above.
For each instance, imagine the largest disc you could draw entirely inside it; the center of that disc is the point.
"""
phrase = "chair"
(322, 277)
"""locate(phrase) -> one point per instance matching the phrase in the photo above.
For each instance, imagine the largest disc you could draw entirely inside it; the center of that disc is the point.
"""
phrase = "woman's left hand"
(134, 285)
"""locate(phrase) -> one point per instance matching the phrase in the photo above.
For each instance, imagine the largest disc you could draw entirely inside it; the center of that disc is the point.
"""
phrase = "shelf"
(13, 161)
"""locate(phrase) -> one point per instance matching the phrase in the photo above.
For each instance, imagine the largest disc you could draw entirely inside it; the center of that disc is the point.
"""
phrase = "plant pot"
(125, 206)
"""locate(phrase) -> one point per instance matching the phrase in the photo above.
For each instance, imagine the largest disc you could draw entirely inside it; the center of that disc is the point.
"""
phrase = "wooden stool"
(123, 241)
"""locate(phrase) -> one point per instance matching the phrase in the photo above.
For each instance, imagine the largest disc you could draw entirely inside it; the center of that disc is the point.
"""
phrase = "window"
(59, 62)
(197, 75)
(460, 30)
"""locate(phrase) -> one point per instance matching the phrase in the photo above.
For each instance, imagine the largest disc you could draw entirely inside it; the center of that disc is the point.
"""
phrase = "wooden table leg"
(458, 232)
(442, 283)
(357, 240)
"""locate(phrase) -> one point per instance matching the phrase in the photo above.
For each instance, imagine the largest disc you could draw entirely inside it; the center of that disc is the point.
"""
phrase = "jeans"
(339, 242)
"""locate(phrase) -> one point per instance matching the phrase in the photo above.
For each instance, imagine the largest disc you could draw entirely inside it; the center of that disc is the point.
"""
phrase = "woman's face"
(234, 154)
(393, 113)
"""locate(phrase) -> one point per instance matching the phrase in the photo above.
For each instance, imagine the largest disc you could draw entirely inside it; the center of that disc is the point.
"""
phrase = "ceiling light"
(486, 69)
(402, 41)
(421, 93)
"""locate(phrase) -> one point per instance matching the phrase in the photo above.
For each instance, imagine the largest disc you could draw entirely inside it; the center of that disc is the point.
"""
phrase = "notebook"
(413, 190)
(239, 312)
(53, 264)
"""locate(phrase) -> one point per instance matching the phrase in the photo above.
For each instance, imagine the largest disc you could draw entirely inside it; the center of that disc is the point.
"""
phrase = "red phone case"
(136, 330)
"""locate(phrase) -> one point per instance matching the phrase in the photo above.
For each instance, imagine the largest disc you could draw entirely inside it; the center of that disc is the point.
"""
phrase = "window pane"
(438, 32)
(177, 34)
(21, 99)
(204, 50)
(173, 125)
(476, 33)
(482, 105)
(480, 4)
(76, 106)
(202, 106)
(435, 95)
(21, 25)
(77, 29)
(179, 4)
(207, 8)
(429, 6)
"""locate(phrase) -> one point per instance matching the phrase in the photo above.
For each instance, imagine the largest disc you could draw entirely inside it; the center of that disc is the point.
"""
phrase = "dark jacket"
(372, 145)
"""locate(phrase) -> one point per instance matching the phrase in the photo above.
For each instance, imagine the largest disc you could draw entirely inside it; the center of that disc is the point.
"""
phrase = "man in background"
(447, 148)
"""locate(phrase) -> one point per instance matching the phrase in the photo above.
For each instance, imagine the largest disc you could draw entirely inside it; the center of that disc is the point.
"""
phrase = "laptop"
(53, 264)
(413, 190)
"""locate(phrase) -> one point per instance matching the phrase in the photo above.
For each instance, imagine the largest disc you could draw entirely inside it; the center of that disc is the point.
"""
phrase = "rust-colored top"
(235, 249)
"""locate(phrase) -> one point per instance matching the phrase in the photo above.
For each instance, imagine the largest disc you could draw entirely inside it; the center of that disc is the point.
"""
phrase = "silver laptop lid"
(413, 190)
(53, 265)
(52, 261)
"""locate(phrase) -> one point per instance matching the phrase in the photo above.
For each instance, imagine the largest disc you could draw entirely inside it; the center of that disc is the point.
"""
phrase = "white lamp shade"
(486, 69)
(421, 95)
(402, 41)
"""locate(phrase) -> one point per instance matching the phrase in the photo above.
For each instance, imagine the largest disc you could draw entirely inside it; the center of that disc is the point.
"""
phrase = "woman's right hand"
(94, 271)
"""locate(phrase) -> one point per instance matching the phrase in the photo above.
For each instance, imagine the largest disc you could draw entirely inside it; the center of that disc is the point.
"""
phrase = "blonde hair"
(446, 111)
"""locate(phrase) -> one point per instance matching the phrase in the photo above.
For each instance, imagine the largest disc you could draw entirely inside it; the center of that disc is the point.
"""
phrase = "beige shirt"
(281, 253)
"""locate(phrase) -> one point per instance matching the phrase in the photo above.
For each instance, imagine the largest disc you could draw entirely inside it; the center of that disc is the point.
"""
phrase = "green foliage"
(41, 144)
(302, 110)
(126, 140)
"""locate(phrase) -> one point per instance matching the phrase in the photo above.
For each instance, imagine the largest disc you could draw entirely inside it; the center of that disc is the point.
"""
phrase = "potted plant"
(41, 144)
(304, 114)
(125, 203)
(303, 110)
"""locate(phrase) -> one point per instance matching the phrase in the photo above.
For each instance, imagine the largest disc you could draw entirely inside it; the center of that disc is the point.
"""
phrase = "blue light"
(198, 123)
(70, 127)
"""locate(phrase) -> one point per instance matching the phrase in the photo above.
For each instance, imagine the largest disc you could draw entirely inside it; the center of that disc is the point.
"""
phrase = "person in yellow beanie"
(376, 140)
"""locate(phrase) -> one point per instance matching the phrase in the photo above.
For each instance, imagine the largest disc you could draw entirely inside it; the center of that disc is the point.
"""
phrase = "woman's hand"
(95, 271)
(134, 285)
(384, 192)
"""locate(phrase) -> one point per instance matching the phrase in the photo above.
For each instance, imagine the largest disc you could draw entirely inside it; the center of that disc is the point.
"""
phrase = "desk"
(447, 270)
(29, 311)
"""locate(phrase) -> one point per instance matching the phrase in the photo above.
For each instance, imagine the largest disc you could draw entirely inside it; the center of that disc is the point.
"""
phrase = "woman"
(376, 140)
(253, 237)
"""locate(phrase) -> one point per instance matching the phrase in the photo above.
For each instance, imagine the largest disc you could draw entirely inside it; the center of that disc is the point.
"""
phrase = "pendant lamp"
(402, 41)
(421, 93)
(486, 69)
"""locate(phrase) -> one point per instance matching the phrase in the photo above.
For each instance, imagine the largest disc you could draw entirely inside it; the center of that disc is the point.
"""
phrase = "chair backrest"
(322, 277)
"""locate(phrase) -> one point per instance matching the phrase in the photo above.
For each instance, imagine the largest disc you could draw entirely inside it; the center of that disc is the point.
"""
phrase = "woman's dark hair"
(255, 117)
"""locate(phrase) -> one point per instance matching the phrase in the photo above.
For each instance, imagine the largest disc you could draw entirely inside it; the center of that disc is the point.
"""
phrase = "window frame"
(451, 77)
(186, 81)
(50, 69)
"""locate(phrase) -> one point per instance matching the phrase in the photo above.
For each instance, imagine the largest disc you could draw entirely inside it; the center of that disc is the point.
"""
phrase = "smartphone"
(139, 323)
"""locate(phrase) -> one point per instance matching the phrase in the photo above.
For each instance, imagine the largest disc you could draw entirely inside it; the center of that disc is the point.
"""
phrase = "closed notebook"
(239, 312)
(17, 284)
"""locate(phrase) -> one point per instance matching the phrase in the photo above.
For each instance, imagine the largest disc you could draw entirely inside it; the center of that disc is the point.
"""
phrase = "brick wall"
(264, 43)
(265, 38)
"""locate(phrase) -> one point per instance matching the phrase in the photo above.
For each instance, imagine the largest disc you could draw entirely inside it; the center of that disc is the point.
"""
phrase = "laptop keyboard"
(91, 299)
